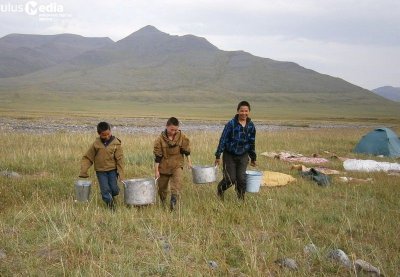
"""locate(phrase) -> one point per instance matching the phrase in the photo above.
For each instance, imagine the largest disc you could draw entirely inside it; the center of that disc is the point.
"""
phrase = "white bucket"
(253, 180)
(82, 190)
(139, 191)
(204, 174)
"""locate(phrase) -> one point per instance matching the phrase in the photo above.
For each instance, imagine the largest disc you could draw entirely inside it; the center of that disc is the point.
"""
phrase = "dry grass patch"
(44, 232)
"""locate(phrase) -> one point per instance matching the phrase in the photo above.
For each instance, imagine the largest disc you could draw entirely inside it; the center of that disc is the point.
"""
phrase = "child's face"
(105, 135)
(172, 130)
(243, 112)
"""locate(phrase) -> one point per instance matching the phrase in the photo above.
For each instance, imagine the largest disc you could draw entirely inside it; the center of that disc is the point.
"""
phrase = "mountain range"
(151, 62)
(389, 92)
(23, 54)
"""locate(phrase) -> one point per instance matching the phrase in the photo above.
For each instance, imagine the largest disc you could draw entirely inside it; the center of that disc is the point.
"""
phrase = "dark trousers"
(108, 185)
(175, 183)
(234, 171)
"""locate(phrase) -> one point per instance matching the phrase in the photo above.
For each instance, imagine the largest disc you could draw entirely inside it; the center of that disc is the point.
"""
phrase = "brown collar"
(171, 143)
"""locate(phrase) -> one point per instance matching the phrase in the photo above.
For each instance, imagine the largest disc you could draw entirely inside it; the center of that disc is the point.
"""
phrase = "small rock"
(212, 264)
(10, 174)
(2, 254)
(310, 249)
(367, 268)
(339, 256)
(167, 247)
(287, 262)
(165, 244)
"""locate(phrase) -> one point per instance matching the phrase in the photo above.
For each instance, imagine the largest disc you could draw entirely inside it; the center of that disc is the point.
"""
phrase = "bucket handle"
(155, 181)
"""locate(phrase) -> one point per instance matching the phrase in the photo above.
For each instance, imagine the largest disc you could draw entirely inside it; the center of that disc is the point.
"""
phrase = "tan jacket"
(170, 154)
(104, 158)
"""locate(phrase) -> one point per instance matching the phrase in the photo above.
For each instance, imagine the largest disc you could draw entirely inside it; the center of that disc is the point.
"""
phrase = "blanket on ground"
(275, 179)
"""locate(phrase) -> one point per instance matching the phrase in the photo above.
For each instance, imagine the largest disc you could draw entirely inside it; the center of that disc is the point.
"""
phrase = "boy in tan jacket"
(108, 158)
(169, 151)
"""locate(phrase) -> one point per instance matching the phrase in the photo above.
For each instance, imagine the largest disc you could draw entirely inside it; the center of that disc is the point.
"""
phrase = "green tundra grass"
(200, 105)
(44, 232)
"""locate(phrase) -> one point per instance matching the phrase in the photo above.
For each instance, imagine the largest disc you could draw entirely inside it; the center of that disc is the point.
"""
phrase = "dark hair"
(243, 103)
(103, 126)
(173, 121)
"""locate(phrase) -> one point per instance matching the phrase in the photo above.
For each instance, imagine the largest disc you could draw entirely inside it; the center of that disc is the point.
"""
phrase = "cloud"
(354, 21)
(320, 20)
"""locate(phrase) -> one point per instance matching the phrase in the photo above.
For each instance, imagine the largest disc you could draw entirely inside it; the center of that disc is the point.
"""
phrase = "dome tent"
(381, 141)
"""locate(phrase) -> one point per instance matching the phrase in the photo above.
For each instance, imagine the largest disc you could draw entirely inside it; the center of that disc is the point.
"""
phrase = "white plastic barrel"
(253, 180)
(82, 190)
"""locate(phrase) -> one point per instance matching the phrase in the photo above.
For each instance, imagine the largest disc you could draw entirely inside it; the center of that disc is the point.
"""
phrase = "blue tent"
(381, 141)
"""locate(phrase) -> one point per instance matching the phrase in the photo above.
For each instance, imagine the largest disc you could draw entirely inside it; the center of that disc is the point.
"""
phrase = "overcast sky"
(356, 40)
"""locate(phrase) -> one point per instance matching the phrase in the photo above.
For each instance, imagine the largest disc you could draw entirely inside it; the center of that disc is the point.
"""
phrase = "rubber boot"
(220, 192)
(163, 200)
(240, 194)
(111, 205)
(174, 200)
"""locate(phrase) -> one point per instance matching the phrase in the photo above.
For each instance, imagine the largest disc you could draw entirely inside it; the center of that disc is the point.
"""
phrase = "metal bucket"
(204, 174)
(139, 191)
(82, 190)
(253, 180)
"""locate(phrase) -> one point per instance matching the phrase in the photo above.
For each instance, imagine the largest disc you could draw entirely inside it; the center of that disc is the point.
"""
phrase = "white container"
(204, 174)
(253, 180)
(139, 191)
(82, 190)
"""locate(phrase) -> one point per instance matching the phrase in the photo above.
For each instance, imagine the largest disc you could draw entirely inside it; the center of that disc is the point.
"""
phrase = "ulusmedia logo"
(33, 8)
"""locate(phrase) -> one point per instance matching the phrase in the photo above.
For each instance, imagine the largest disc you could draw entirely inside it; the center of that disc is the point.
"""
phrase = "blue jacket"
(237, 139)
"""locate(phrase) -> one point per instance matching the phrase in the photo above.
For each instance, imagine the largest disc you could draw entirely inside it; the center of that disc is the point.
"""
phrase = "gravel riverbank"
(137, 125)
